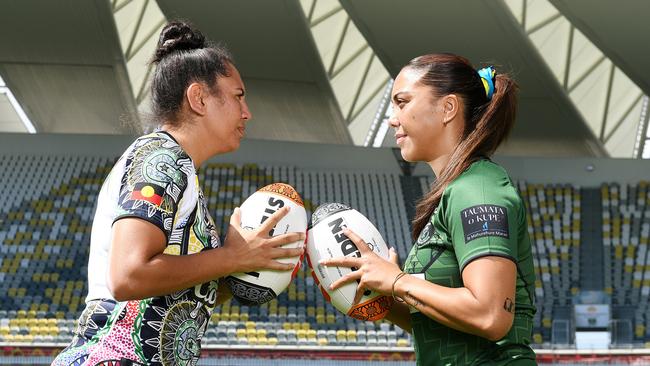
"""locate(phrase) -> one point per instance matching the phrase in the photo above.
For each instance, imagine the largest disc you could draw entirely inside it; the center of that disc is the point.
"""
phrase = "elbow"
(496, 327)
(119, 287)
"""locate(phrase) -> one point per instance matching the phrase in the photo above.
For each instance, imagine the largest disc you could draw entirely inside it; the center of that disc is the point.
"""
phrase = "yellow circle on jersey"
(147, 191)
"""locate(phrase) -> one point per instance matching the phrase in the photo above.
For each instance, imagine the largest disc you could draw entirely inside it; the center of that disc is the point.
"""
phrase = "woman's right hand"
(251, 250)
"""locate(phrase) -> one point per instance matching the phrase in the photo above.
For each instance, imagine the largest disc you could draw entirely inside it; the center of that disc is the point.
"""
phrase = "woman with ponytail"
(155, 256)
(466, 291)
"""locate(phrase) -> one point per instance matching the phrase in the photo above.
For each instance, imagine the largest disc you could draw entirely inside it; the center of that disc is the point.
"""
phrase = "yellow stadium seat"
(301, 334)
(351, 335)
(639, 330)
(311, 334)
(282, 310)
(341, 335)
(402, 342)
(215, 317)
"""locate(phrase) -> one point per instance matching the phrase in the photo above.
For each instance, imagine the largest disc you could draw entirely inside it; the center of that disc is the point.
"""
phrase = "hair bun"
(178, 36)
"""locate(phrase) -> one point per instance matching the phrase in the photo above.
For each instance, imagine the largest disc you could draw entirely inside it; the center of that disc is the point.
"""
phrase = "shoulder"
(158, 142)
(482, 177)
(482, 172)
(159, 159)
(484, 182)
(159, 181)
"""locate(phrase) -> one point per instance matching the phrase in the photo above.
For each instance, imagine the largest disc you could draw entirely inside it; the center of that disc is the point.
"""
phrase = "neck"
(190, 142)
(438, 164)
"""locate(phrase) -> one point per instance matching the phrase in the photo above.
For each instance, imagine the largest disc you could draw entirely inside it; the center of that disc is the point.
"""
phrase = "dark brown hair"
(183, 56)
(487, 121)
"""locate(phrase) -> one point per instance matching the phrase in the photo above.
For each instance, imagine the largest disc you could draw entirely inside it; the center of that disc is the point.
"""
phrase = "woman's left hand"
(372, 271)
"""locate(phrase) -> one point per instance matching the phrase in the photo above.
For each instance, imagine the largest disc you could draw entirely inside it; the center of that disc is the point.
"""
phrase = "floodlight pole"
(642, 136)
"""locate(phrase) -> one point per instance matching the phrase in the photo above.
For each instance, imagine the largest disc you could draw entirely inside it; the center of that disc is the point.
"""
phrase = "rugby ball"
(325, 239)
(254, 288)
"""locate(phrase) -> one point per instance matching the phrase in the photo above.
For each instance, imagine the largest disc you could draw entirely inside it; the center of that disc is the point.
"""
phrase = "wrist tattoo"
(509, 305)
(413, 300)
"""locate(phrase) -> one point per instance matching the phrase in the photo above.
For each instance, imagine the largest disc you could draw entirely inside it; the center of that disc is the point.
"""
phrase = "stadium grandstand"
(73, 89)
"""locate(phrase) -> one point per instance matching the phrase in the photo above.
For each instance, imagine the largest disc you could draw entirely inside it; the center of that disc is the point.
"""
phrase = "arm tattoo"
(509, 305)
(413, 301)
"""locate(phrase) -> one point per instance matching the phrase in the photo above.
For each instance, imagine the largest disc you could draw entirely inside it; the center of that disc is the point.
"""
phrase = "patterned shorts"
(92, 319)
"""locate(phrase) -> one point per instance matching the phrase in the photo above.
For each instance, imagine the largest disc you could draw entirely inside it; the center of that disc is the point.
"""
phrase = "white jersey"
(154, 180)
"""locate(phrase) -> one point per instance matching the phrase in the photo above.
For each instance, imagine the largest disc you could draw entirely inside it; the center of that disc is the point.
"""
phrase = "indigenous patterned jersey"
(480, 214)
(154, 180)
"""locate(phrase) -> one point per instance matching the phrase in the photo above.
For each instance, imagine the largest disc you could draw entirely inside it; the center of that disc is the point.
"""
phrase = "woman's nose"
(393, 121)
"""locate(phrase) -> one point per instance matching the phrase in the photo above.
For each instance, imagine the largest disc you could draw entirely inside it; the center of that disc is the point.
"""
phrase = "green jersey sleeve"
(483, 212)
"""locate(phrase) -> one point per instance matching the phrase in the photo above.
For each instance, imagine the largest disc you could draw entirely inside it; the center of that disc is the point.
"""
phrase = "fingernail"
(331, 287)
(346, 230)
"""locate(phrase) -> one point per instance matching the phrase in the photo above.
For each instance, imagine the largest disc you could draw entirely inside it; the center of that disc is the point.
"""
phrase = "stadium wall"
(586, 172)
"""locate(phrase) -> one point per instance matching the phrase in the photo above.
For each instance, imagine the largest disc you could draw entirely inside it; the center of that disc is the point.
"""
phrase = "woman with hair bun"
(155, 256)
(466, 292)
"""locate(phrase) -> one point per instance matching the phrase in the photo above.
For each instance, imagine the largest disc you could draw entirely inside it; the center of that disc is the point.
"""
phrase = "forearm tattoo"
(509, 305)
(412, 300)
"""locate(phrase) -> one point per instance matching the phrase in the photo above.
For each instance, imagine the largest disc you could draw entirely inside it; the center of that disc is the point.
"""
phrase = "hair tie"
(487, 75)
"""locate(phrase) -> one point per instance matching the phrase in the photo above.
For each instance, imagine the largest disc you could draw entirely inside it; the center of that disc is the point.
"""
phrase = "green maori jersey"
(480, 214)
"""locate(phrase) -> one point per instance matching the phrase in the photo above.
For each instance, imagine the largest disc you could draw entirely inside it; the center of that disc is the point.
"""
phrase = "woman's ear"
(195, 94)
(450, 107)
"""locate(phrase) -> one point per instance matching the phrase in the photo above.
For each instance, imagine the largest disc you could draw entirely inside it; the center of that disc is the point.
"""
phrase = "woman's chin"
(406, 156)
(225, 149)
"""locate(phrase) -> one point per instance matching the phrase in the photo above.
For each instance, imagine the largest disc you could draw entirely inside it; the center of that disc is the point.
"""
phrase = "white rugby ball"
(325, 239)
(254, 288)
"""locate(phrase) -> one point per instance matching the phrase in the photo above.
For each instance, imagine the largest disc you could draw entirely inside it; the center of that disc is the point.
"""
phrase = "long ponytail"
(488, 122)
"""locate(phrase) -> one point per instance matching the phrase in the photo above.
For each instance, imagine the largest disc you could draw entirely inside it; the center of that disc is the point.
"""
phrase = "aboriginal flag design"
(149, 192)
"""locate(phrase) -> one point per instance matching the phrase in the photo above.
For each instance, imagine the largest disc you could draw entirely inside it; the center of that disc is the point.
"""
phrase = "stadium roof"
(319, 70)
